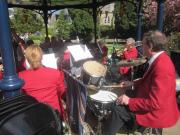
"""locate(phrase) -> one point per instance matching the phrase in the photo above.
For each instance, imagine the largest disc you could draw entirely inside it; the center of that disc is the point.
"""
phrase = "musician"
(154, 102)
(15, 41)
(64, 60)
(45, 45)
(130, 52)
(104, 50)
(20, 55)
(1, 71)
(44, 84)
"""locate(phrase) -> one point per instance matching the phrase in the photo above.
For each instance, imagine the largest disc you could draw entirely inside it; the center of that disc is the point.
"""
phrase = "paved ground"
(175, 130)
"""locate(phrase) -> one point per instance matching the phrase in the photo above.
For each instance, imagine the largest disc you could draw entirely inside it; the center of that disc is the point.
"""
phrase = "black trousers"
(121, 116)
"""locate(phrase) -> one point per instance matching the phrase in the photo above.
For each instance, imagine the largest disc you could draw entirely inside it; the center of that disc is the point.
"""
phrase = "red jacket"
(21, 65)
(127, 55)
(104, 54)
(46, 85)
(1, 75)
(66, 55)
(104, 51)
(155, 103)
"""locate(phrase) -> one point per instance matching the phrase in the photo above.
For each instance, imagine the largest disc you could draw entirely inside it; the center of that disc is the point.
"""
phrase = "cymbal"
(133, 62)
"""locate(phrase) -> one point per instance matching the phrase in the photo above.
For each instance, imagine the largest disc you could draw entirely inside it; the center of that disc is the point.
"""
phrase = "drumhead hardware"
(102, 102)
(93, 73)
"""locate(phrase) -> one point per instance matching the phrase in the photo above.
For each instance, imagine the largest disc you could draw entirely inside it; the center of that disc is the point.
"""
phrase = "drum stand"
(132, 73)
(99, 125)
(102, 113)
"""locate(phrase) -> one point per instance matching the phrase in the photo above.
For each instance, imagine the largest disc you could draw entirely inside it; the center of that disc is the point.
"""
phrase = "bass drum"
(93, 73)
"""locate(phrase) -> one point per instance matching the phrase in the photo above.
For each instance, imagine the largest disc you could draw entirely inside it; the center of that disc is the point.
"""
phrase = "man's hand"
(123, 100)
(125, 49)
(126, 84)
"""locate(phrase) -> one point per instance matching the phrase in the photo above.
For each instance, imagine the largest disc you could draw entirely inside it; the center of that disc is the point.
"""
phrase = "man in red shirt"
(154, 102)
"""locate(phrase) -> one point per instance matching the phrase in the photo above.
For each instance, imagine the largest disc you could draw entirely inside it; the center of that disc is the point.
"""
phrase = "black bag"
(23, 115)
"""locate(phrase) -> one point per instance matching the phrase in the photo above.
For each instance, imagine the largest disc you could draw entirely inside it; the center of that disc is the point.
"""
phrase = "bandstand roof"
(57, 4)
(53, 5)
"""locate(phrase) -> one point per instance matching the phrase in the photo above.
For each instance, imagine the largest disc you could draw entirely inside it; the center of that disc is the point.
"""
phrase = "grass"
(117, 46)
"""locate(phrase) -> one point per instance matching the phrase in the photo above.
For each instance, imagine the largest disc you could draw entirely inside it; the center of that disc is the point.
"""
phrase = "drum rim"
(92, 74)
(99, 101)
(104, 102)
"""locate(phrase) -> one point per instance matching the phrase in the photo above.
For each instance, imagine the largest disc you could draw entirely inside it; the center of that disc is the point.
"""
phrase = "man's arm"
(160, 88)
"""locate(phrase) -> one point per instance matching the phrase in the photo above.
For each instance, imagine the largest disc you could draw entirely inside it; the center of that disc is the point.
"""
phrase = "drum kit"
(101, 99)
(93, 75)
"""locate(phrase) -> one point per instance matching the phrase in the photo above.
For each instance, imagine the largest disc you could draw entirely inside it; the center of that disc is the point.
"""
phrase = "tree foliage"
(172, 8)
(76, 23)
(63, 26)
(82, 23)
(26, 21)
(170, 19)
(125, 18)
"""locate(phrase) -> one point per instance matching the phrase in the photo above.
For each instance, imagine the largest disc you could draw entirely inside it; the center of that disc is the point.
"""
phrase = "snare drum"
(102, 102)
(93, 72)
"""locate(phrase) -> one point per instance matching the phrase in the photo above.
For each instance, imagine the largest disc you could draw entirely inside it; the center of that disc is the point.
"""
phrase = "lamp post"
(139, 21)
(95, 19)
(160, 15)
(10, 84)
(45, 13)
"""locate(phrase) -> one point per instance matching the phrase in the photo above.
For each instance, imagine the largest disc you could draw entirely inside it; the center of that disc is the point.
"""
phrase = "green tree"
(63, 26)
(125, 18)
(26, 21)
(170, 14)
(82, 23)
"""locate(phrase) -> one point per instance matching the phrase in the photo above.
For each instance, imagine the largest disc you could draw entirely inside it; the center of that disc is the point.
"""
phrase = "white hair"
(130, 41)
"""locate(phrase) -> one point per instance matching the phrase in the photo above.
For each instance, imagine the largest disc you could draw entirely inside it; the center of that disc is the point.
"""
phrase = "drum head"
(104, 96)
(94, 68)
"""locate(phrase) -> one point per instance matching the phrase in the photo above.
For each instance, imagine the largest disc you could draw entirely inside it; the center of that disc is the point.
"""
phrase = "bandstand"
(11, 84)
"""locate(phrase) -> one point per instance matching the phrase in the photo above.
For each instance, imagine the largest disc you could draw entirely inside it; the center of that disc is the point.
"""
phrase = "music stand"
(49, 60)
(79, 54)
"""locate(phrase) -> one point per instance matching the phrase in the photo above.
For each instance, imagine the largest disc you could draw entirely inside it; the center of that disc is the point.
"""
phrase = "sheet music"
(79, 52)
(49, 60)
